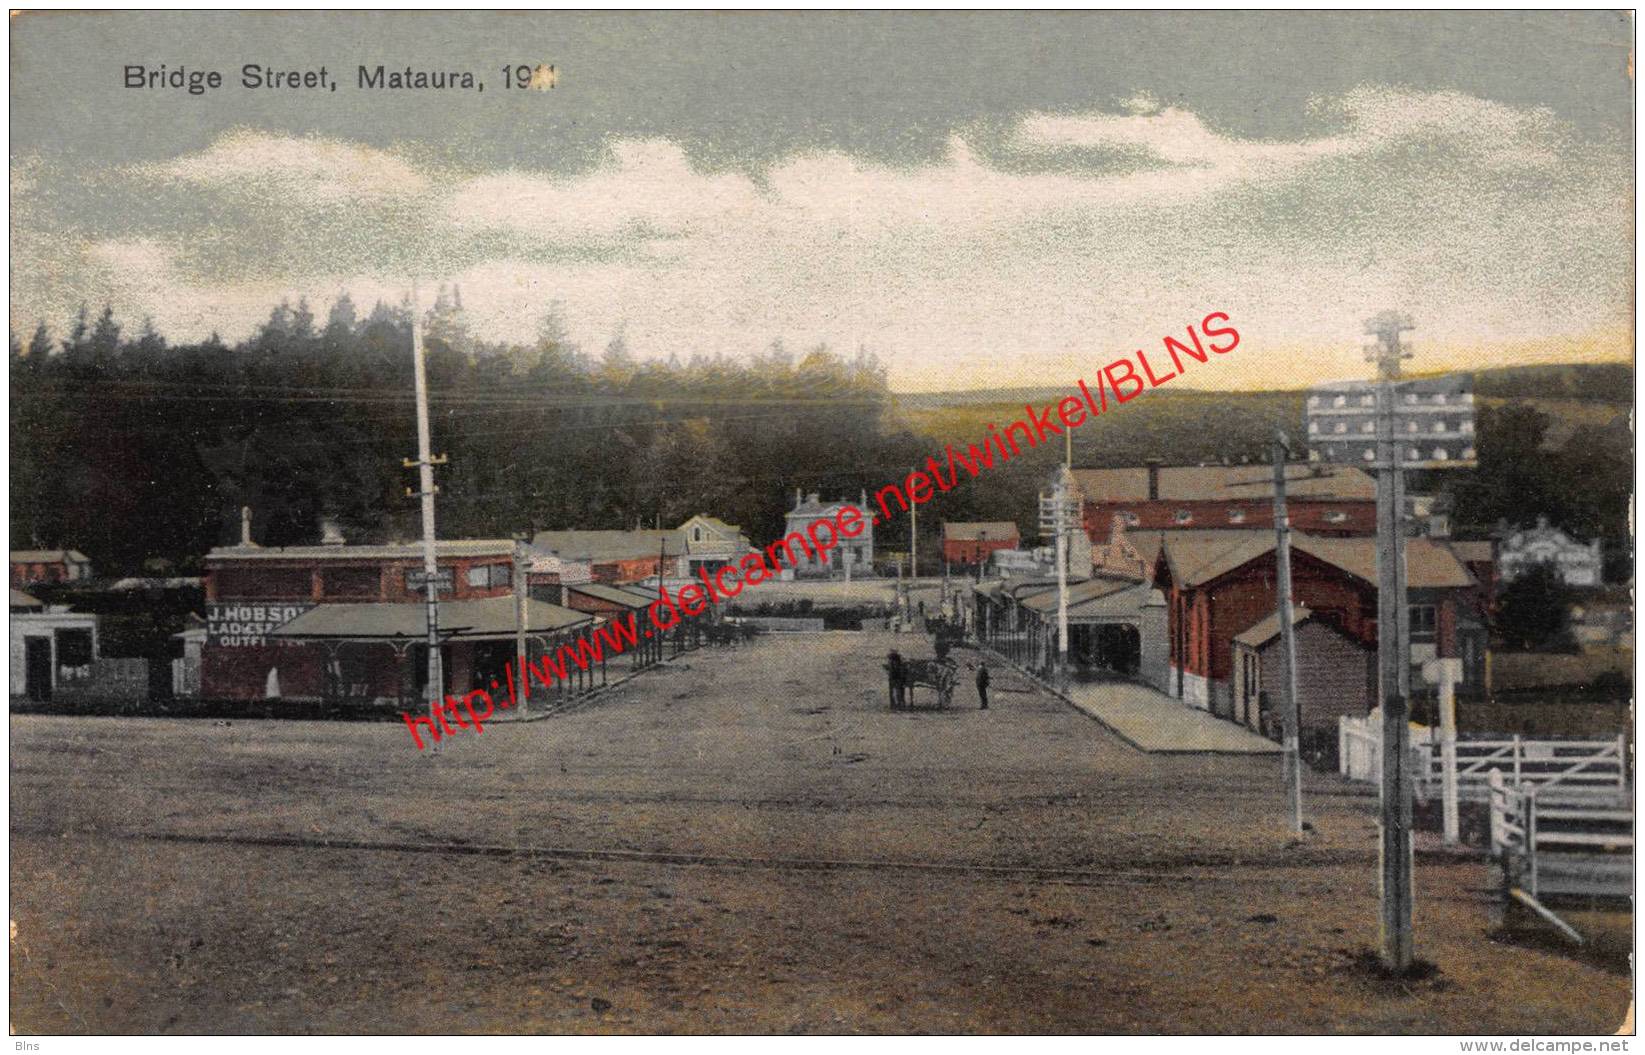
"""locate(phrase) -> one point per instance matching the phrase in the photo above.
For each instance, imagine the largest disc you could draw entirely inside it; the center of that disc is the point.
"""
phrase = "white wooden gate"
(1552, 846)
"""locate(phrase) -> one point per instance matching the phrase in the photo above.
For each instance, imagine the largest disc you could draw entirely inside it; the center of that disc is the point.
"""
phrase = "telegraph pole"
(1392, 425)
(913, 546)
(1054, 519)
(1396, 850)
(1063, 489)
(425, 464)
(1287, 632)
(520, 614)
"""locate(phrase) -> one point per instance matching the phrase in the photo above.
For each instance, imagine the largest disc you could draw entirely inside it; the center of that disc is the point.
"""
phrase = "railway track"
(1179, 871)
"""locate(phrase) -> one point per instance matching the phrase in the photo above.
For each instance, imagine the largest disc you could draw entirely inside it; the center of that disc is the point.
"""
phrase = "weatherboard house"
(853, 558)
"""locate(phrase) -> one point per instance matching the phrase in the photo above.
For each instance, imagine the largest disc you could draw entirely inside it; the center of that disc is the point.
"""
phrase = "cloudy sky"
(980, 199)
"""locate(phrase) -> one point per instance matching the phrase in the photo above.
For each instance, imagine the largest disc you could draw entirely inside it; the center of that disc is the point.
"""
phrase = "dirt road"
(745, 841)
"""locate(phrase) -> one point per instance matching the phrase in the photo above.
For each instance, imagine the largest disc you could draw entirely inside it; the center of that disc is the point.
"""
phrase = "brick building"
(969, 544)
(30, 567)
(1323, 500)
(347, 622)
(1219, 584)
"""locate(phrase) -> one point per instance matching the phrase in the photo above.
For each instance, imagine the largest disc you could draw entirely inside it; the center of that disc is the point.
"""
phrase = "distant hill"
(1601, 382)
(1189, 426)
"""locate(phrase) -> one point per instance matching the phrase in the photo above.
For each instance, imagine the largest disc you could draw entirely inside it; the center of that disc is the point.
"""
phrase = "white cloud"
(975, 268)
(647, 184)
(326, 170)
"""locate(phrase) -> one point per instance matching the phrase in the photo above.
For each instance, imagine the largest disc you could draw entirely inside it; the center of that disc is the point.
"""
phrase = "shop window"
(351, 582)
(263, 584)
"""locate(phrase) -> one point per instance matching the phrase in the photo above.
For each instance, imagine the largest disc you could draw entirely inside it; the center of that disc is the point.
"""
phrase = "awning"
(1097, 600)
(611, 594)
(489, 619)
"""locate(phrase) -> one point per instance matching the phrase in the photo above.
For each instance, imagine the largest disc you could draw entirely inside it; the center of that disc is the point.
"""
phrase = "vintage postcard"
(748, 523)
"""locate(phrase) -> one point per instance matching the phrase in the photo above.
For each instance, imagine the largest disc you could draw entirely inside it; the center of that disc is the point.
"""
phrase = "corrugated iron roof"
(1195, 558)
(972, 531)
(1083, 594)
(1266, 629)
(489, 618)
(1225, 482)
(390, 551)
(611, 545)
(47, 556)
(1479, 551)
(613, 594)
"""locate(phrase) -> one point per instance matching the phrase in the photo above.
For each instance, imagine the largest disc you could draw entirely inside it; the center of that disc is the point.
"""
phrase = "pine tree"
(40, 343)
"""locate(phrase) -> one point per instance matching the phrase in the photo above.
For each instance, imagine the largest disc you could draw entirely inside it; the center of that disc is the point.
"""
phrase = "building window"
(1129, 519)
(1335, 516)
(696, 534)
(1424, 620)
(351, 582)
(1236, 516)
(484, 575)
(263, 584)
(1184, 517)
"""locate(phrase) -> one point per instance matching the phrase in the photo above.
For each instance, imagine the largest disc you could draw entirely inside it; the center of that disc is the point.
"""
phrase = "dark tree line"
(141, 453)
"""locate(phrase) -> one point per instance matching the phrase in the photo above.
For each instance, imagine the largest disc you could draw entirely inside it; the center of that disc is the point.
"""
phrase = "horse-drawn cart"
(938, 675)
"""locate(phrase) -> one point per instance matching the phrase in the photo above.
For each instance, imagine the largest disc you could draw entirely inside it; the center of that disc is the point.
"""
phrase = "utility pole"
(1062, 571)
(1396, 856)
(913, 545)
(1287, 632)
(1392, 425)
(520, 566)
(1055, 517)
(425, 464)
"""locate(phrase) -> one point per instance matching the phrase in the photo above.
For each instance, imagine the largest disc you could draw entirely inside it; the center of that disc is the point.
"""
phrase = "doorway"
(37, 667)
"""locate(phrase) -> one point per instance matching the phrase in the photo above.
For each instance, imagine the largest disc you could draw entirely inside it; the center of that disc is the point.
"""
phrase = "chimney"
(330, 533)
(1153, 479)
(245, 527)
(816, 498)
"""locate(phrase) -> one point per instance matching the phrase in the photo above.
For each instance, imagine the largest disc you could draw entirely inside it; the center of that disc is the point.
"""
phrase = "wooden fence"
(1552, 846)
(1596, 768)
(1592, 768)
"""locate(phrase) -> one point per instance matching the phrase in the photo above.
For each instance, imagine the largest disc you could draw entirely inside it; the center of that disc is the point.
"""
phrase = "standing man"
(894, 673)
(982, 684)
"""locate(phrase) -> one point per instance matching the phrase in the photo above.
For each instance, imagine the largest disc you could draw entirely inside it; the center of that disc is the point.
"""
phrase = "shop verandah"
(378, 652)
(1116, 626)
